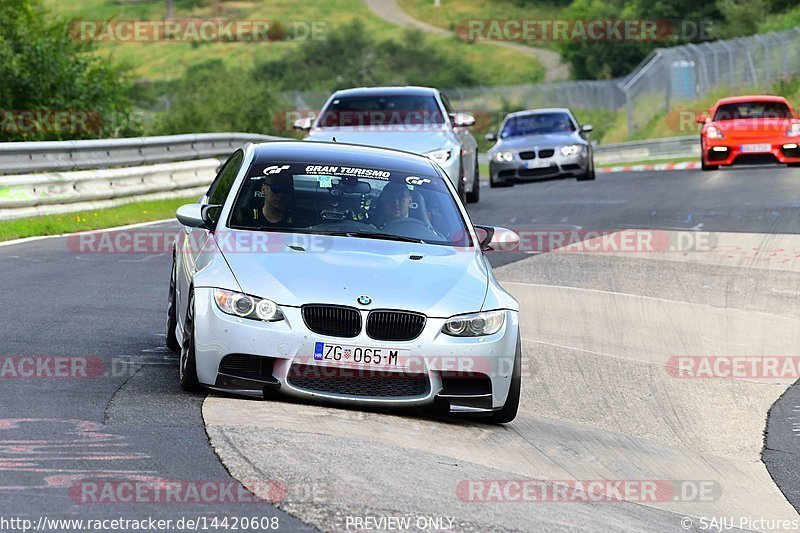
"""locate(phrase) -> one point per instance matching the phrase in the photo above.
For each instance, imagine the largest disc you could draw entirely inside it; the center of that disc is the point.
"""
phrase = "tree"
(43, 68)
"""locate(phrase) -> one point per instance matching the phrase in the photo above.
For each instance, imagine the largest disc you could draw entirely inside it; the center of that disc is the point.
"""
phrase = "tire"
(509, 410)
(703, 166)
(793, 165)
(474, 196)
(188, 365)
(172, 313)
(590, 174)
(462, 186)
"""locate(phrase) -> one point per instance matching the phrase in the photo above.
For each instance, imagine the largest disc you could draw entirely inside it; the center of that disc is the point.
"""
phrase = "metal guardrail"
(56, 193)
(650, 150)
(44, 156)
(25, 195)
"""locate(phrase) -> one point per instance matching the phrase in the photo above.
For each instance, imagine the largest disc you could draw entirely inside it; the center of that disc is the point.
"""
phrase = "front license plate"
(536, 163)
(360, 356)
(750, 148)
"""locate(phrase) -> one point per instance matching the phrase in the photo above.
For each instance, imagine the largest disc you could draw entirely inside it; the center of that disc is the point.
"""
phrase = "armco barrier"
(63, 192)
(650, 150)
(192, 166)
(43, 156)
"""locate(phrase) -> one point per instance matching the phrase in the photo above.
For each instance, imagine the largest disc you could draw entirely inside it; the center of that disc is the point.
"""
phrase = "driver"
(394, 203)
(562, 124)
(277, 209)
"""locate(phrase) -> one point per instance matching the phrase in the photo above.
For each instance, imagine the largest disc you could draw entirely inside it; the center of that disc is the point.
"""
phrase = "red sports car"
(749, 130)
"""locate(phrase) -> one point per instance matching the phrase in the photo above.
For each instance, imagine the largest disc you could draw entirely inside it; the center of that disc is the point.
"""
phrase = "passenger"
(394, 203)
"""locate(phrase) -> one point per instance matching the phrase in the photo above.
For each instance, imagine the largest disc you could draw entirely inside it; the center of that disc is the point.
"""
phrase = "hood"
(336, 270)
(527, 142)
(749, 128)
(417, 141)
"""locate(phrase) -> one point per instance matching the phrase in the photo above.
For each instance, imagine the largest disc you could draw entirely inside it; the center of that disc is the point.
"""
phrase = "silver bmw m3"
(343, 273)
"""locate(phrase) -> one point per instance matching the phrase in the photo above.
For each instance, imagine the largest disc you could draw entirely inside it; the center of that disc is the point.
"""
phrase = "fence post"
(629, 110)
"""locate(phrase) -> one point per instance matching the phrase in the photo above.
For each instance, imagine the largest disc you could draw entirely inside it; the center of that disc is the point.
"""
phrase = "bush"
(214, 98)
(611, 59)
(44, 69)
(349, 56)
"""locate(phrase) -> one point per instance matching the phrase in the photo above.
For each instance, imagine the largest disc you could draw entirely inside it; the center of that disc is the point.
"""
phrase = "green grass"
(453, 13)
(163, 61)
(131, 213)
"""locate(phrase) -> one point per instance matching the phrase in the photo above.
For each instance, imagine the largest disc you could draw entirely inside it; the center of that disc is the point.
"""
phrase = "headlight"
(794, 130)
(571, 149)
(440, 156)
(712, 132)
(503, 156)
(246, 306)
(475, 325)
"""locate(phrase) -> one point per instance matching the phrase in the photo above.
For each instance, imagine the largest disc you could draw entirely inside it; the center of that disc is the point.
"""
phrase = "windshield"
(537, 123)
(753, 109)
(342, 200)
(381, 110)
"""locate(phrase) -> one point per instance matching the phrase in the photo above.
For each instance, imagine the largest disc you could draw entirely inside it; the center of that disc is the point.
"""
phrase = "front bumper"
(465, 374)
(555, 166)
(728, 152)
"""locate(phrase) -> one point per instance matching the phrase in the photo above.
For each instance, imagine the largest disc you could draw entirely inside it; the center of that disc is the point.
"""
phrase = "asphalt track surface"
(598, 330)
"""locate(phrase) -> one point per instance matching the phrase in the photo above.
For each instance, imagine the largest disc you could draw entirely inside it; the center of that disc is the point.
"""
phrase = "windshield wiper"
(373, 235)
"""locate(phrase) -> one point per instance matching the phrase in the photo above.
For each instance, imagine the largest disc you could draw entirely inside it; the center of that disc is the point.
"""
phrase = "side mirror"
(701, 119)
(586, 128)
(499, 239)
(463, 120)
(196, 215)
(491, 137)
(303, 124)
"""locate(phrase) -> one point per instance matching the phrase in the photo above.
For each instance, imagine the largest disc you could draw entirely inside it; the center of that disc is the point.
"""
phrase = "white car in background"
(413, 119)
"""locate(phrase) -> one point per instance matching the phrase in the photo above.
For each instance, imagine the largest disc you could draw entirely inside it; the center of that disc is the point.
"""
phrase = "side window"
(447, 107)
(222, 184)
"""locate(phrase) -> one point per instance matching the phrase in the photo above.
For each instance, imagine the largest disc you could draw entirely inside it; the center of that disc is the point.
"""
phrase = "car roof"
(540, 110)
(751, 98)
(374, 91)
(334, 153)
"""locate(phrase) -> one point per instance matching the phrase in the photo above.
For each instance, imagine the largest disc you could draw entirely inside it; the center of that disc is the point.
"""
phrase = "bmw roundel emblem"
(364, 299)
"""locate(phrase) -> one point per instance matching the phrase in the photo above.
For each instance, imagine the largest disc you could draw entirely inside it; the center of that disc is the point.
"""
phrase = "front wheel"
(703, 166)
(188, 363)
(172, 313)
(590, 173)
(462, 184)
(474, 196)
(509, 410)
